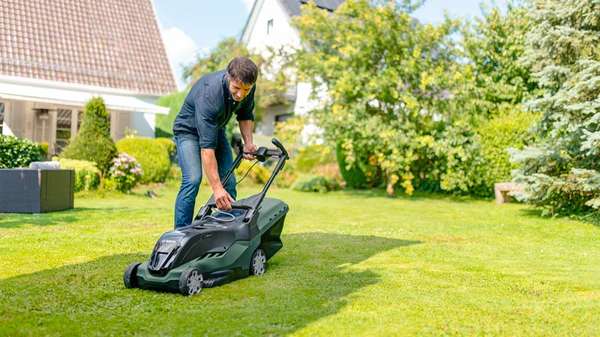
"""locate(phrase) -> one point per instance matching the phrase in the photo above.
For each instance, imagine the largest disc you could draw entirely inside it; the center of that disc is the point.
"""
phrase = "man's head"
(242, 74)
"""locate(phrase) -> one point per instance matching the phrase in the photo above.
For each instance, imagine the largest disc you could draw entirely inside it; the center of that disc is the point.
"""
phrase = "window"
(1, 116)
(269, 26)
(63, 129)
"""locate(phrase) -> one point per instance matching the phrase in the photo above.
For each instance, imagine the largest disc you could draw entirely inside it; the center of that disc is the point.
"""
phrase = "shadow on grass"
(592, 218)
(13, 220)
(532, 212)
(309, 279)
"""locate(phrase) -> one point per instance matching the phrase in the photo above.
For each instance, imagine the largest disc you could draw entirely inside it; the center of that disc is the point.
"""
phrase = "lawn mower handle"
(262, 154)
(278, 144)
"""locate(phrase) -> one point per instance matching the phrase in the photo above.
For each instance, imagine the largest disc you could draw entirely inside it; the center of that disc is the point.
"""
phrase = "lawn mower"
(218, 246)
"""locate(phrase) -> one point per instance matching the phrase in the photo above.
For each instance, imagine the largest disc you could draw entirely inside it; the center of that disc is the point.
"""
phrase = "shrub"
(43, 150)
(313, 183)
(459, 158)
(329, 171)
(577, 191)
(124, 173)
(471, 160)
(169, 146)
(510, 130)
(164, 123)
(17, 152)
(87, 175)
(93, 141)
(353, 176)
(289, 132)
(174, 173)
(152, 155)
(286, 178)
(311, 156)
(259, 174)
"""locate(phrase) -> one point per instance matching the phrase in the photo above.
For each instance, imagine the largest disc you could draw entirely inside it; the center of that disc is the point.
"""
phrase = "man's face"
(239, 90)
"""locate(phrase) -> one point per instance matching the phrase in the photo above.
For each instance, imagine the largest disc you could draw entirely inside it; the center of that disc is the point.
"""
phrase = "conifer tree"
(93, 141)
(562, 170)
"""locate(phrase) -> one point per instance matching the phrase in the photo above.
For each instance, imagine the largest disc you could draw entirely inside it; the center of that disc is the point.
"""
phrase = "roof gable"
(108, 43)
(291, 7)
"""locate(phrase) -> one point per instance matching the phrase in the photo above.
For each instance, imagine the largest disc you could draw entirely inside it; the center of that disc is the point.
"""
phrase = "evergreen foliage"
(562, 170)
(93, 141)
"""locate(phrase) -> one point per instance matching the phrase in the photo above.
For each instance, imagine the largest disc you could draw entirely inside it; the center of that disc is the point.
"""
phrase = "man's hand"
(223, 199)
(251, 148)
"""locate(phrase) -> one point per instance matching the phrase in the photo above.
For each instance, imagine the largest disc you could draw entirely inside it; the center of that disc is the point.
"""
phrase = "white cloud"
(181, 50)
(248, 3)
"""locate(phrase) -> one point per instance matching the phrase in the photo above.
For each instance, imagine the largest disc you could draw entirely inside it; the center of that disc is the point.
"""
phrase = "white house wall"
(281, 34)
(16, 120)
(8, 125)
(143, 123)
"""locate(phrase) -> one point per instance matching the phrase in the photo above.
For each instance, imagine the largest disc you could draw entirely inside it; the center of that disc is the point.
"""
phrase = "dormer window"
(269, 26)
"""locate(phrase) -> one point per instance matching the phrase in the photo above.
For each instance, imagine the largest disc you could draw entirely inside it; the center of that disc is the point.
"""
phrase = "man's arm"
(246, 127)
(245, 117)
(206, 122)
(209, 162)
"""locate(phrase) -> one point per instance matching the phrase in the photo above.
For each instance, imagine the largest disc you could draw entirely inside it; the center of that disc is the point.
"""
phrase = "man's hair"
(243, 69)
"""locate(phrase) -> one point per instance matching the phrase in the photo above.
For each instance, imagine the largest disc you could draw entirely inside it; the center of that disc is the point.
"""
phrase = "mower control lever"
(263, 153)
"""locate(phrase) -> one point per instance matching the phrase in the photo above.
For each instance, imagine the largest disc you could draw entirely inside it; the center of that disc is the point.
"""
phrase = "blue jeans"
(188, 153)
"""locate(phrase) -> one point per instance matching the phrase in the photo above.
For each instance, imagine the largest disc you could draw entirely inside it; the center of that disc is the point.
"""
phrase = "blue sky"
(195, 26)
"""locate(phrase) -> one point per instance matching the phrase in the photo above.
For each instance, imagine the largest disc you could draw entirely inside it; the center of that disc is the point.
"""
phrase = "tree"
(93, 141)
(562, 170)
(390, 83)
(271, 84)
(496, 84)
(164, 123)
(493, 46)
(270, 90)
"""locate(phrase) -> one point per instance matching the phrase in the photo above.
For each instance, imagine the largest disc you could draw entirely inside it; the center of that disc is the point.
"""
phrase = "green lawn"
(353, 264)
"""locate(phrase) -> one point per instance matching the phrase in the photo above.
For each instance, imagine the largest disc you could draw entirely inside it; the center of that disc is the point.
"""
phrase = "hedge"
(87, 175)
(18, 152)
(152, 155)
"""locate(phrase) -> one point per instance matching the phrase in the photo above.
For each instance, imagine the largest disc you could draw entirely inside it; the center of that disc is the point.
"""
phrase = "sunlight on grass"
(353, 263)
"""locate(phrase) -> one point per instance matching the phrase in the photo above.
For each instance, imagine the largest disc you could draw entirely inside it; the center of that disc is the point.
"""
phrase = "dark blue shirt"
(208, 107)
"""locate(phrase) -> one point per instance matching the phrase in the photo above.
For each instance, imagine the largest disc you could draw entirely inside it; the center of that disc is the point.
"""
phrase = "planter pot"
(36, 190)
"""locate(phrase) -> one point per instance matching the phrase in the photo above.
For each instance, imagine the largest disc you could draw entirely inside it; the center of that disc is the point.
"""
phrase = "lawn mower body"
(217, 246)
(221, 252)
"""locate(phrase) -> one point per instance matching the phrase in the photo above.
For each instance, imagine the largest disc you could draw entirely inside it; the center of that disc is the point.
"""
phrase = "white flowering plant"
(125, 172)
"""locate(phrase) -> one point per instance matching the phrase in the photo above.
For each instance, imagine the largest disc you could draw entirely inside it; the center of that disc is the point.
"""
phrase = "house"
(56, 55)
(269, 26)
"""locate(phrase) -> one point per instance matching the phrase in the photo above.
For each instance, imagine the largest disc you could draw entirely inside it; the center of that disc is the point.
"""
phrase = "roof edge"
(72, 86)
(251, 21)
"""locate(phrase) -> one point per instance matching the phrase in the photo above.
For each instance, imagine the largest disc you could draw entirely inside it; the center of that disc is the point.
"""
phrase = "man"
(199, 131)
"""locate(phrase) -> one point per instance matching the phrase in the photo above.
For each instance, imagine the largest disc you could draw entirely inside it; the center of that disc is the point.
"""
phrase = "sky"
(190, 27)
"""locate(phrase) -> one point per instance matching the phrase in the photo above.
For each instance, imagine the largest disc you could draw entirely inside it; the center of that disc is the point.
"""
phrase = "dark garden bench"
(28, 190)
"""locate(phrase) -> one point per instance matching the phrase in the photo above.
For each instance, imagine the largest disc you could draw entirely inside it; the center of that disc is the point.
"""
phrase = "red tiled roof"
(106, 43)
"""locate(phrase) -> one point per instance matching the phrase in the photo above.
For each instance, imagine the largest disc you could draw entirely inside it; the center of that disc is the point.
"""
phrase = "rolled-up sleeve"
(246, 111)
(206, 121)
